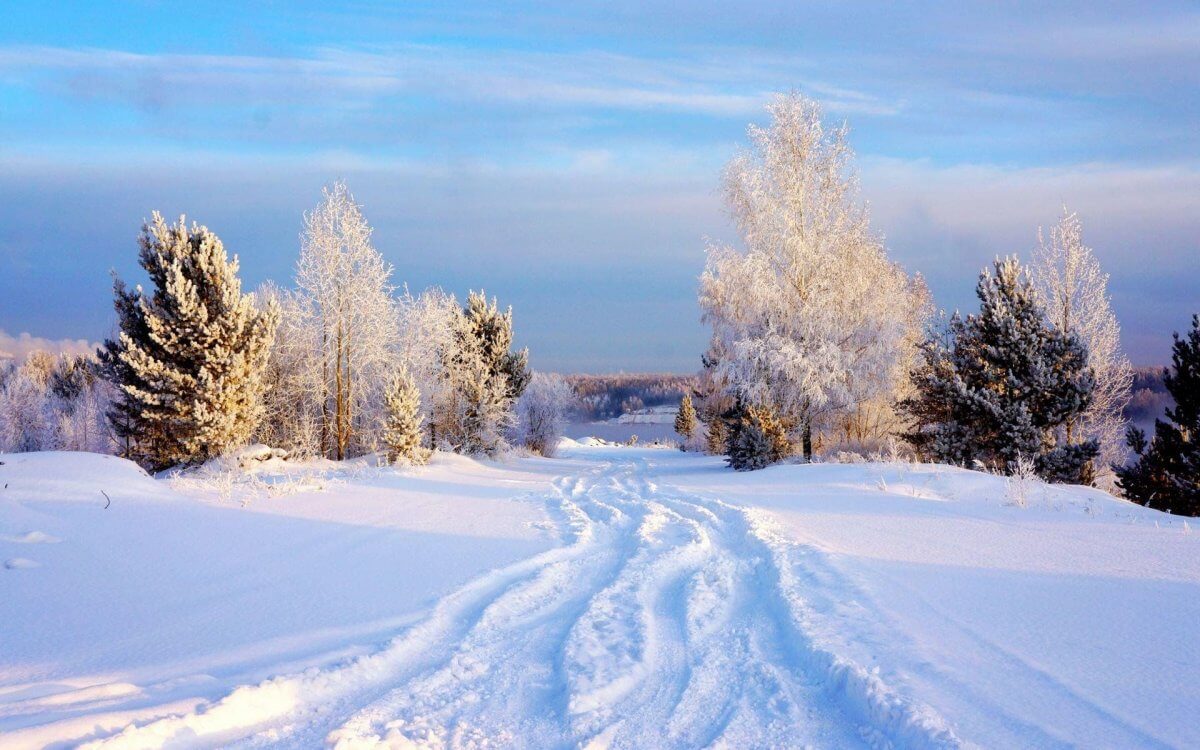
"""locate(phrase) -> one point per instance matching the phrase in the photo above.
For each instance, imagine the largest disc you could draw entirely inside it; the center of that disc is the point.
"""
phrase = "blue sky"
(565, 156)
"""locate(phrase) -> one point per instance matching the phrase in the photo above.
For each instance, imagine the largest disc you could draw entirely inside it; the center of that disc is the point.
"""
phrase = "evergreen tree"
(716, 439)
(758, 440)
(189, 358)
(493, 331)
(1166, 472)
(685, 418)
(1001, 383)
(402, 421)
(71, 376)
(482, 379)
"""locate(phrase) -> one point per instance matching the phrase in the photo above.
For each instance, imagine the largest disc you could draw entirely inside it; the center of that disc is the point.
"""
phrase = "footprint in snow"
(19, 563)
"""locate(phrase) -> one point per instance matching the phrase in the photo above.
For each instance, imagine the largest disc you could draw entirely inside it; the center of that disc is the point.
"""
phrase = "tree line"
(341, 365)
(820, 342)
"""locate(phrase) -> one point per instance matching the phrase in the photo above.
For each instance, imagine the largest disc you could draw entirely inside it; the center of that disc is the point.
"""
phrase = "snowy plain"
(611, 597)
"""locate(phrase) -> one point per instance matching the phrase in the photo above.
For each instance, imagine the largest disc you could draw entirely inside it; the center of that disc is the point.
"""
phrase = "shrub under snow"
(542, 412)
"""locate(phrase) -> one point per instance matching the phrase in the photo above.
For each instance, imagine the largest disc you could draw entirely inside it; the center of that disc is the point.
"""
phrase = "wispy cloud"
(572, 79)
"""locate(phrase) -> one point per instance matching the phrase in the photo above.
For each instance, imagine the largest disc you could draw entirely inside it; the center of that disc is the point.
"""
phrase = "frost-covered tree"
(402, 420)
(812, 319)
(347, 316)
(1166, 472)
(757, 440)
(685, 418)
(53, 403)
(716, 437)
(188, 361)
(292, 417)
(79, 399)
(541, 412)
(27, 422)
(428, 322)
(998, 386)
(1074, 292)
(483, 378)
(493, 331)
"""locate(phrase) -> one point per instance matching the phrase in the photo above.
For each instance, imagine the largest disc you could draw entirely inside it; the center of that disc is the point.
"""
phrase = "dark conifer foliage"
(1166, 473)
(1002, 384)
(757, 440)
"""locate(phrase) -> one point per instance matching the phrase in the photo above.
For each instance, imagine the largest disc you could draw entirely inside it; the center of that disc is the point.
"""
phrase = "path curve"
(665, 619)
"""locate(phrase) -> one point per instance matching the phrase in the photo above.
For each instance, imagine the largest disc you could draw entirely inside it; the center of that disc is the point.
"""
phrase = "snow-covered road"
(614, 597)
(664, 620)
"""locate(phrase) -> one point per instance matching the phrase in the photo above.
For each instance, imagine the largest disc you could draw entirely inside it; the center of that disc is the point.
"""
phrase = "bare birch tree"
(811, 319)
(1074, 293)
(345, 302)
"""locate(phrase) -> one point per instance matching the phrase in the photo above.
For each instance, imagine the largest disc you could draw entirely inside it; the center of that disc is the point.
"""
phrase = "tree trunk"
(807, 440)
(325, 445)
(339, 406)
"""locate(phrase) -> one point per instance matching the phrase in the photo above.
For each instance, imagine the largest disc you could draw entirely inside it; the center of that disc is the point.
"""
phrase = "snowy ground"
(614, 597)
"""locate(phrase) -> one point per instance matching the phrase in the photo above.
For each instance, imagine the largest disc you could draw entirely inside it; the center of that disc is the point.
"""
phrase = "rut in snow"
(665, 620)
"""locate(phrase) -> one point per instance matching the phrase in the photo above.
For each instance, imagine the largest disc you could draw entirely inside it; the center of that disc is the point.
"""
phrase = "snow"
(186, 594)
(612, 597)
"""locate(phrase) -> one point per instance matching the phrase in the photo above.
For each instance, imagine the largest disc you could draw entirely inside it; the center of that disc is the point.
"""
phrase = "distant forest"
(1148, 397)
(602, 397)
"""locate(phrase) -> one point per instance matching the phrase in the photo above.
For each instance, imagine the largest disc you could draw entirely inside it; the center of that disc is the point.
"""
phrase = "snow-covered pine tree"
(812, 317)
(685, 418)
(716, 437)
(494, 332)
(757, 441)
(1074, 292)
(483, 379)
(1166, 472)
(402, 420)
(1001, 384)
(188, 361)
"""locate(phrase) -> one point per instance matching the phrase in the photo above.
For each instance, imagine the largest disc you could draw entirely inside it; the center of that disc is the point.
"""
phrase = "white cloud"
(20, 346)
(990, 199)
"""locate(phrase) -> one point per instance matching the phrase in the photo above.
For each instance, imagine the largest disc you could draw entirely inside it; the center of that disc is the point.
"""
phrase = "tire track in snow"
(285, 710)
(785, 587)
(665, 620)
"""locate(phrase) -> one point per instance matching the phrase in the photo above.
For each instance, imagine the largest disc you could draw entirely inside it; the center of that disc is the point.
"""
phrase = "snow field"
(640, 598)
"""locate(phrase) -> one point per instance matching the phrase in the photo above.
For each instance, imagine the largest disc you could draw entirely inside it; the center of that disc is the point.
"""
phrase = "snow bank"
(69, 477)
(179, 592)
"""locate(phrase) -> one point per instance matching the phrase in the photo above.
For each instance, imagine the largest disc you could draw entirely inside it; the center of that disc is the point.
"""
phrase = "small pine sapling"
(758, 440)
(685, 419)
(403, 418)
